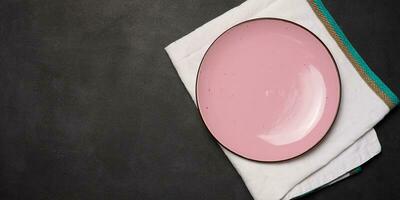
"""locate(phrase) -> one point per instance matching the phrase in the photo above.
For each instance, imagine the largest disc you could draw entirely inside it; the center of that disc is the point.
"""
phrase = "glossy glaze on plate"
(268, 89)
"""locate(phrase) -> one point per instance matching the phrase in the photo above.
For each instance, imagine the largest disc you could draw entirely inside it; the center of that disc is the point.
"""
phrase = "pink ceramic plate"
(268, 89)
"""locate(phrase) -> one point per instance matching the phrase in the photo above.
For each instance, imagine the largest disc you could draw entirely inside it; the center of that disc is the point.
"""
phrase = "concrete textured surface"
(92, 108)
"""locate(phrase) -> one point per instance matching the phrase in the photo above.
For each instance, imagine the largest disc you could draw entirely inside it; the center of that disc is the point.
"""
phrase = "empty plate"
(268, 89)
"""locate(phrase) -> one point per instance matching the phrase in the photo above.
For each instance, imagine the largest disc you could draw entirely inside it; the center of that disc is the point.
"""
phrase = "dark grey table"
(92, 108)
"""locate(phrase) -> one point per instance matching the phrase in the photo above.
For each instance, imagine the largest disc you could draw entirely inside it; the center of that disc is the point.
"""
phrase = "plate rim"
(336, 69)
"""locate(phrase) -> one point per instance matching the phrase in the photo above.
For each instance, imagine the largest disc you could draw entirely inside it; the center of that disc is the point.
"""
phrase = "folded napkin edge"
(366, 73)
(373, 148)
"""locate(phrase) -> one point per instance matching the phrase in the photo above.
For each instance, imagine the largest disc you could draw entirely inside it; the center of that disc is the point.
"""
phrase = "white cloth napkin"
(350, 142)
